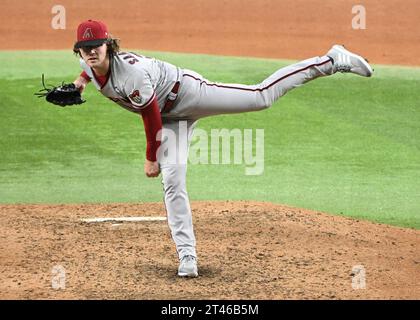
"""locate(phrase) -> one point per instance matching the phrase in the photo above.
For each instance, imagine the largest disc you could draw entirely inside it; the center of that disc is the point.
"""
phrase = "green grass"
(344, 144)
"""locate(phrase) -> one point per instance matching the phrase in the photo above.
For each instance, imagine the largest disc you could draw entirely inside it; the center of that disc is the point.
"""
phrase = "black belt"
(171, 98)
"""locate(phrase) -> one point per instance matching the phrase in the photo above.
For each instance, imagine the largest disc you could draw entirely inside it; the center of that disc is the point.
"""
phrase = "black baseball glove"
(66, 94)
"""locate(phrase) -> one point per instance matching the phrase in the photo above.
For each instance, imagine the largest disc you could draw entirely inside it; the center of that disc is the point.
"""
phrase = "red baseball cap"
(91, 33)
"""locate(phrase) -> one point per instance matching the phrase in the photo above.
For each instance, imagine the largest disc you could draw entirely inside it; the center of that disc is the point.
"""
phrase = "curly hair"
(113, 45)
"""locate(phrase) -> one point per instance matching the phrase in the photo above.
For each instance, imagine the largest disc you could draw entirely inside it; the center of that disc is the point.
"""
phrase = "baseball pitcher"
(165, 95)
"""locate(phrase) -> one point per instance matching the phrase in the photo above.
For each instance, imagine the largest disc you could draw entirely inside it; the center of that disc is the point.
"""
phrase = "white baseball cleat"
(346, 61)
(188, 267)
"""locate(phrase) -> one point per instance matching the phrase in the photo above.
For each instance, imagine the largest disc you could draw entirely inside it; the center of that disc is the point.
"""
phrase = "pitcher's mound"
(246, 250)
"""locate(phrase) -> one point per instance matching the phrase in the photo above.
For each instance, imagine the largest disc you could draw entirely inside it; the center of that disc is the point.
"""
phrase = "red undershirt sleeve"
(85, 75)
(152, 125)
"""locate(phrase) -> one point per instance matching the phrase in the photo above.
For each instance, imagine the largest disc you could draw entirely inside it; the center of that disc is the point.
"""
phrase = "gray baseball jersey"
(135, 80)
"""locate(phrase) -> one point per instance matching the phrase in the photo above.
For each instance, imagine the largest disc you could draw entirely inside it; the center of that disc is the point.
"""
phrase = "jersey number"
(127, 56)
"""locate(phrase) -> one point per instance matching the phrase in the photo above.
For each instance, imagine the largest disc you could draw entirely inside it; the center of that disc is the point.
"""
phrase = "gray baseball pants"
(200, 98)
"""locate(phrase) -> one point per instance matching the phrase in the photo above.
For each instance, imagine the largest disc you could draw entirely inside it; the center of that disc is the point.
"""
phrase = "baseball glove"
(66, 94)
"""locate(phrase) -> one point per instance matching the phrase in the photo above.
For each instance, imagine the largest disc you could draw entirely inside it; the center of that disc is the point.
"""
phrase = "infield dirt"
(292, 29)
(247, 250)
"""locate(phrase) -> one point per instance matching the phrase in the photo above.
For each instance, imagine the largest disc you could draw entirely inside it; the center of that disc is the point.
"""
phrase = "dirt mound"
(247, 250)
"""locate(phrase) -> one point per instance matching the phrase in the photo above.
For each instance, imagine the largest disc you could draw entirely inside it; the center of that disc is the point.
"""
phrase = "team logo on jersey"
(136, 97)
(88, 33)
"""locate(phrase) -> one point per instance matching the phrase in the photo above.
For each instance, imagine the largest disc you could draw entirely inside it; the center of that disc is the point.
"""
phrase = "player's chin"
(92, 62)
